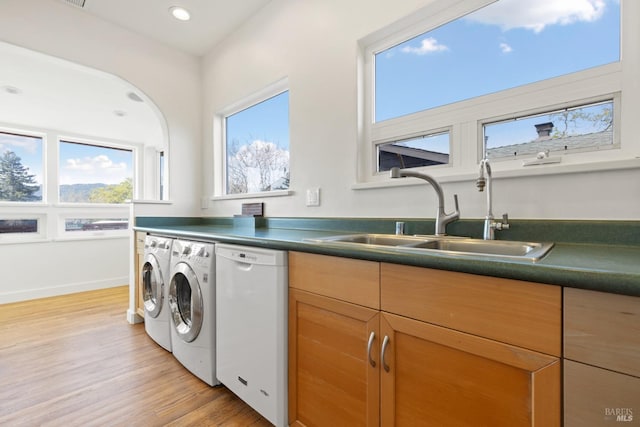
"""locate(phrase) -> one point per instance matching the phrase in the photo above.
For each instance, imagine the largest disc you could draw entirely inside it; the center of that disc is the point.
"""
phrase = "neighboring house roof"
(392, 155)
(547, 143)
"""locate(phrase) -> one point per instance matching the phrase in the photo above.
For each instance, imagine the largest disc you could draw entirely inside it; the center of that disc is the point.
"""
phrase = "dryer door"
(185, 301)
(153, 286)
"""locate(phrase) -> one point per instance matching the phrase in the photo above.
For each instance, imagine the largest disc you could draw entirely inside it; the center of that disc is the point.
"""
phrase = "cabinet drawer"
(602, 329)
(350, 280)
(519, 313)
(598, 397)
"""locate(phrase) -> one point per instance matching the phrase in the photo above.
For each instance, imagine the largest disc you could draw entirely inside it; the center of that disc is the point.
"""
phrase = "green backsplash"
(569, 231)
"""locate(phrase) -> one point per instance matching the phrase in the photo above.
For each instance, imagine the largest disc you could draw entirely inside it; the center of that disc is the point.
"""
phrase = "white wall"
(314, 43)
(169, 77)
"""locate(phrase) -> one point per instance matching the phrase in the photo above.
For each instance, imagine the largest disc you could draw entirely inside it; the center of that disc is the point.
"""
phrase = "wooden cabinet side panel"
(138, 259)
(331, 381)
(598, 397)
(602, 329)
(346, 279)
(525, 314)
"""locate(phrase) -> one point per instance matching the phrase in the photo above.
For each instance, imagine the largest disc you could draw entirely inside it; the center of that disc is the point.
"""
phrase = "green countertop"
(600, 266)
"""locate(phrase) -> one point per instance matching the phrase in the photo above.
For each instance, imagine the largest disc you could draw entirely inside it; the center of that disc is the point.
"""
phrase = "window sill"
(277, 193)
(93, 236)
(383, 181)
(151, 202)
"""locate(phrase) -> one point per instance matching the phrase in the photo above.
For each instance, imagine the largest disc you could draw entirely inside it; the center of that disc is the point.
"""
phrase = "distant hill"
(77, 193)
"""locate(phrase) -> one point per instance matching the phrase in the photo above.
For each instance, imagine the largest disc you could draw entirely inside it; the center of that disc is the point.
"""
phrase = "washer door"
(153, 286)
(185, 301)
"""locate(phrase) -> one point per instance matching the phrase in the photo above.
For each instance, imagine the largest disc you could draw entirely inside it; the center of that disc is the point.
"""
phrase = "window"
(503, 45)
(162, 165)
(482, 68)
(21, 160)
(95, 174)
(257, 145)
(22, 226)
(16, 226)
(95, 224)
(582, 128)
(426, 150)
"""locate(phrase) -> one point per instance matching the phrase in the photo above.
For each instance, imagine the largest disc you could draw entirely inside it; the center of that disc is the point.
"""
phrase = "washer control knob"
(203, 253)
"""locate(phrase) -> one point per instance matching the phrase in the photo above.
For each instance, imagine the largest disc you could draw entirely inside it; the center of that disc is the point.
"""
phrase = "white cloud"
(428, 45)
(98, 169)
(505, 48)
(9, 142)
(535, 15)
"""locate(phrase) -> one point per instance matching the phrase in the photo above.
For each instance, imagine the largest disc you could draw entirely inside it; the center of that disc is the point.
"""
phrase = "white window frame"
(465, 118)
(220, 142)
(39, 236)
(99, 212)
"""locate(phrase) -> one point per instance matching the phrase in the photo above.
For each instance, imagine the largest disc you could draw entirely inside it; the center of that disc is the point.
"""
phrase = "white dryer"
(155, 285)
(192, 303)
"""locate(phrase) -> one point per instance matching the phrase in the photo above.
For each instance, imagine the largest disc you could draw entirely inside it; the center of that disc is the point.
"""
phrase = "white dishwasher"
(251, 327)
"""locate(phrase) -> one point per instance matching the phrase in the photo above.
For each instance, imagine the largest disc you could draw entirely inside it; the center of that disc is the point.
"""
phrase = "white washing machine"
(155, 285)
(192, 305)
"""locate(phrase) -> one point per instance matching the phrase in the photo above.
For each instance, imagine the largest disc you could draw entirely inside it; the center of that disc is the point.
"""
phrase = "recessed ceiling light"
(12, 90)
(120, 113)
(180, 13)
(134, 97)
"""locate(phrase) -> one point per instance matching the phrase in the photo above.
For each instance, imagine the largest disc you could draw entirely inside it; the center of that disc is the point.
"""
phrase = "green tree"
(16, 183)
(117, 193)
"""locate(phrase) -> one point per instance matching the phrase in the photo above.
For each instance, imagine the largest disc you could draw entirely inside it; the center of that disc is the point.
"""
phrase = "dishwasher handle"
(248, 255)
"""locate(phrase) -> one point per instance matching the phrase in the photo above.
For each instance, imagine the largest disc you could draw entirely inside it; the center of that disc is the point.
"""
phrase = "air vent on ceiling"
(76, 3)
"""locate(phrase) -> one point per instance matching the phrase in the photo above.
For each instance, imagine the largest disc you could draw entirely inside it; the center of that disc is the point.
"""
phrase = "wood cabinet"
(441, 377)
(468, 350)
(602, 359)
(331, 379)
(435, 348)
(138, 260)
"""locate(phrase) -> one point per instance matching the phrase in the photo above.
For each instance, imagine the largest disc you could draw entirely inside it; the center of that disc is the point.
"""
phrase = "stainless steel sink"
(372, 239)
(449, 245)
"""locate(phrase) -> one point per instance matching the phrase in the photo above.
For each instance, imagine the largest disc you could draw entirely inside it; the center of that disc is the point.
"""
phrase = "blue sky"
(78, 163)
(509, 43)
(91, 164)
(267, 121)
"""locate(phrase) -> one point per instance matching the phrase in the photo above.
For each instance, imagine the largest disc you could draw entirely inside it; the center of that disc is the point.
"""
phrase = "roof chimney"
(544, 129)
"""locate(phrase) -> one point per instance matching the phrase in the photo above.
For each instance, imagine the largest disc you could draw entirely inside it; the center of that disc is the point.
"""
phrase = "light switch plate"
(313, 197)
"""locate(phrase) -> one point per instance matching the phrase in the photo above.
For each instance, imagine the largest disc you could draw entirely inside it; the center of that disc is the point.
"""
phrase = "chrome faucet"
(442, 218)
(489, 224)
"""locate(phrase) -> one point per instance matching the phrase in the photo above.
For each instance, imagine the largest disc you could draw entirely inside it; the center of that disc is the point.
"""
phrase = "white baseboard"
(52, 291)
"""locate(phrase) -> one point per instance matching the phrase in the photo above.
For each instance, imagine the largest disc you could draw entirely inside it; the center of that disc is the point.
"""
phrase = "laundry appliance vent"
(76, 3)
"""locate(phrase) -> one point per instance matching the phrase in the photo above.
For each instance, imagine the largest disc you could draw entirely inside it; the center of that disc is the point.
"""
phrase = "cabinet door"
(598, 397)
(434, 376)
(333, 379)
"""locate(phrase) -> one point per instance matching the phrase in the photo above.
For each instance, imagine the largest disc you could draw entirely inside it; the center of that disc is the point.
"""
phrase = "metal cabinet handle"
(372, 337)
(385, 343)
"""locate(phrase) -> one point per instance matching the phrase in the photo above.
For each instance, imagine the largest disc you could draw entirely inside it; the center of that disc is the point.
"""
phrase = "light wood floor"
(75, 361)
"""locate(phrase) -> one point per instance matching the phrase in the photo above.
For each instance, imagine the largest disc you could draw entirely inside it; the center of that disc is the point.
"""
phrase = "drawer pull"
(385, 343)
(372, 337)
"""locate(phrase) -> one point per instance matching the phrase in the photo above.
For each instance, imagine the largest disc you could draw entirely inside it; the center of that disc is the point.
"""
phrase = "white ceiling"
(211, 20)
(45, 92)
